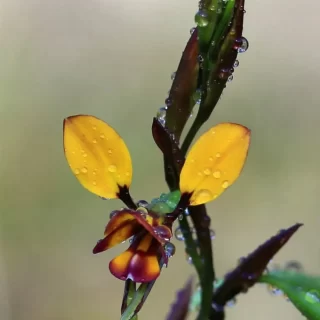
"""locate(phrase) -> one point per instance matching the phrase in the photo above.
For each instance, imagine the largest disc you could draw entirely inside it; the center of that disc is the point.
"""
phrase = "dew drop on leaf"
(202, 18)
(244, 45)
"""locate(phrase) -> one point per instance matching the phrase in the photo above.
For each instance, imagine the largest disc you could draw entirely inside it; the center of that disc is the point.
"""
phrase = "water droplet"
(218, 155)
(163, 232)
(244, 45)
(94, 127)
(274, 291)
(213, 131)
(217, 307)
(127, 174)
(192, 30)
(200, 58)
(112, 168)
(210, 159)
(168, 102)
(202, 18)
(204, 195)
(207, 171)
(94, 183)
(189, 259)
(102, 136)
(230, 78)
(94, 141)
(225, 184)
(173, 75)
(217, 174)
(110, 151)
(113, 213)
(142, 203)
(236, 64)
(178, 234)
(84, 170)
(293, 266)
(94, 172)
(312, 296)
(180, 217)
(231, 303)
(161, 115)
(197, 96)
(84, 155)
(73, 152)
(76, 171)
(186, 212)
(212, 234)
(143, 211)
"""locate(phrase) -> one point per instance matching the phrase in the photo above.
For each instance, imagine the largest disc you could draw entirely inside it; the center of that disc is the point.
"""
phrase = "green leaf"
(303, 290)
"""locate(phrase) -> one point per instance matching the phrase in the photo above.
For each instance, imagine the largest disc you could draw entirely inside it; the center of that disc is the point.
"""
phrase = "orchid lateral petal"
(214, 162)
(139, 263)
(122, 226)
(97, 155)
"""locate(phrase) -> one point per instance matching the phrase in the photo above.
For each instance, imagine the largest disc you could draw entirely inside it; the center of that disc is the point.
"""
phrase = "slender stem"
(191, 246)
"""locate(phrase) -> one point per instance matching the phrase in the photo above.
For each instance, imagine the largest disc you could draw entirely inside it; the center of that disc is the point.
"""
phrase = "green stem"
(191, 246)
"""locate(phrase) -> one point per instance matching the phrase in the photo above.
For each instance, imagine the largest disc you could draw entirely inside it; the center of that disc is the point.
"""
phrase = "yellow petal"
(214, 162)
(97, 155)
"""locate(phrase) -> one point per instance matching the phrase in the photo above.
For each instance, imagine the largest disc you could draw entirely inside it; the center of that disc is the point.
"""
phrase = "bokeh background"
(113, 59)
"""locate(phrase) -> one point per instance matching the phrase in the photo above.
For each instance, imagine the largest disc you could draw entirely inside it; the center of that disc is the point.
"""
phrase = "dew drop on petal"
(102, 136)
(84, 155)
(163, 232)
(217, 174)
(94, 141)
(113, 213)
(84, 170)
(225, 184)
(236, 64)
(94, 183)
(76, 171)
(207, 171)
(178, 234)
(110, 151)
(203, 195)
(112, 168)
(94, 128)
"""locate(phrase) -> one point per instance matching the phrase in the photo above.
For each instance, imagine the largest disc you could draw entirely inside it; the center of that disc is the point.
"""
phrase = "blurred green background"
(113, 59)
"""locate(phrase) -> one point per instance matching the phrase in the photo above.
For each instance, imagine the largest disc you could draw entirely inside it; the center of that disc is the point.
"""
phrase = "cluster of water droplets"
(180, 236)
